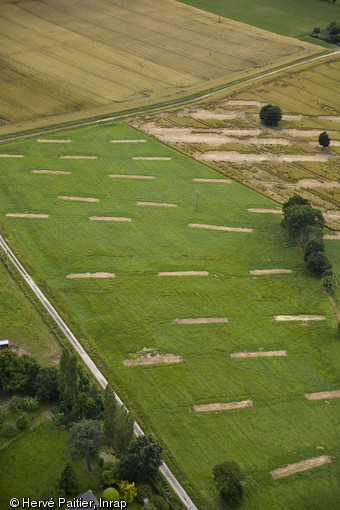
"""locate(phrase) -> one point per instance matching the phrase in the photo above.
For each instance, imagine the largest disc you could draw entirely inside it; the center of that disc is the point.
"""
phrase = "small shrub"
(316, 30)
(328, 283)
(143, 492)
(29, 404)
(110, 474)
(22, 422)
(149, 506)
(128, 491)
(159, 502)
(9, 428)
(111, 494)
(313, 246)
(15, 404)
(324, 139)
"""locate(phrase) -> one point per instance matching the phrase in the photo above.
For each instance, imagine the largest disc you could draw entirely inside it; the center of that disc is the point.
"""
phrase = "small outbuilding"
(4, 344)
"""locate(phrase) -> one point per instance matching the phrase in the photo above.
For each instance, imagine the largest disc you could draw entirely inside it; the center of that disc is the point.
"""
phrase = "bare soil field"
(109, 218)
(283, 318)
(323, 394)
(27, 215)
(226, 133)
(48, 48)
(150, 359)
(269, 271)
(90, 275)
(220, 227)
(57, 172)
(300, 466)
(222, 407)
(201, 320)
(258, 354)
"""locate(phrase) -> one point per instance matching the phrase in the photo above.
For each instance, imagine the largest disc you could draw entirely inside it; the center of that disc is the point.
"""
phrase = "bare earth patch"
(78, 157)
(331, 236)
(268, 141)
(79, 199)
(314, 183)
(240, 102)
(329, 117)
(303, 132)
(27, 215)
(208, 114)
(269, 271)
(202, 320)
(183, 273)
(281, 318)
(12, 156)
(323, 394)
(218, 227)
(331, 215)
(300, 466)
(228, 181)
(257, 354)
(61, 172)
(221, 407)
(47, 140)
(109, 218)
(150, 158)
(273, 211)
(157, 204)
(90, 275)
(152, 360)
(127, 176)
(128, 141)
(238, 157)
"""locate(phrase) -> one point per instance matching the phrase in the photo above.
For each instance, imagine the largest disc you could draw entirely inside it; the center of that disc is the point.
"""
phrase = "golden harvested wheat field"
(65, 60)
(225, 132)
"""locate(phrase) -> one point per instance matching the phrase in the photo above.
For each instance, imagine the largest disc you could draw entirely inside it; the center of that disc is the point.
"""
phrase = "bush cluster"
(330, 34)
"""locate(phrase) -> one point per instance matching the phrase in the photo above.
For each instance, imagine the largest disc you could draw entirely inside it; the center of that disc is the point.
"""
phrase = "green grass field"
(118, 317)
(295, 18)
(21, 324)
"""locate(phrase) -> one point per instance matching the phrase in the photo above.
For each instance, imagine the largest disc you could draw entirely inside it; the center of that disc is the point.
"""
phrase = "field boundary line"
(152, 109)
(181, 493)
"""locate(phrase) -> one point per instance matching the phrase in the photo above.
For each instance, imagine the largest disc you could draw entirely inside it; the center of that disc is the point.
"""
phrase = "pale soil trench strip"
(27, 215)
(331, 215)
(266, 141)
(207, 114)
(128, 141)
(221, 407)
(152, 360)
(240, 102)
(201, 320)
(183, 273)
(218, 227)
(270, 271)
(12, 156)
(130, 176)
(282, 318)
(79, 199)
(157, 204)
(257, 354)
(336, 235)
(329, 117)
(300, 466)
(227, 181)
(314, 183)
(238, 157)
(323, 394)
(109, 218)
(49, 140)
(303, 132)
(78, 157)
(91, 275)
(61, 172)
(272, 211)
(149, 158)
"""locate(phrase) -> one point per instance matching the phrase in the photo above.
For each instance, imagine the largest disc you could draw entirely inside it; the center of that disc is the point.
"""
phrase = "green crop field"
(115, 318)
(295, 18)
(63, 61)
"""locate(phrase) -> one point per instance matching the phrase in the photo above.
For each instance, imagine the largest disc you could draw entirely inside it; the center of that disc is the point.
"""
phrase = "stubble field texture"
(67, 60)
(226, 133)
(116, 318)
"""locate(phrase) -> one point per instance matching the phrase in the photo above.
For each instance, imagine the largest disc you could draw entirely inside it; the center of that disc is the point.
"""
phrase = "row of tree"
(305, 224)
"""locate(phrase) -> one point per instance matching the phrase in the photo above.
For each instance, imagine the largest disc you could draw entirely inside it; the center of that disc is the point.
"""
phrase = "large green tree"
(110, 408)
(46, 384)
(270, 115)
(17, 373)
(123, 429)
(85, 439)
(142, 460)
(299, 219)
(324, 139)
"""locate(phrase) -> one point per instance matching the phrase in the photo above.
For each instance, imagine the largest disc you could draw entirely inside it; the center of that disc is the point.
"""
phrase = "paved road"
(96, 372)
(172, 105)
